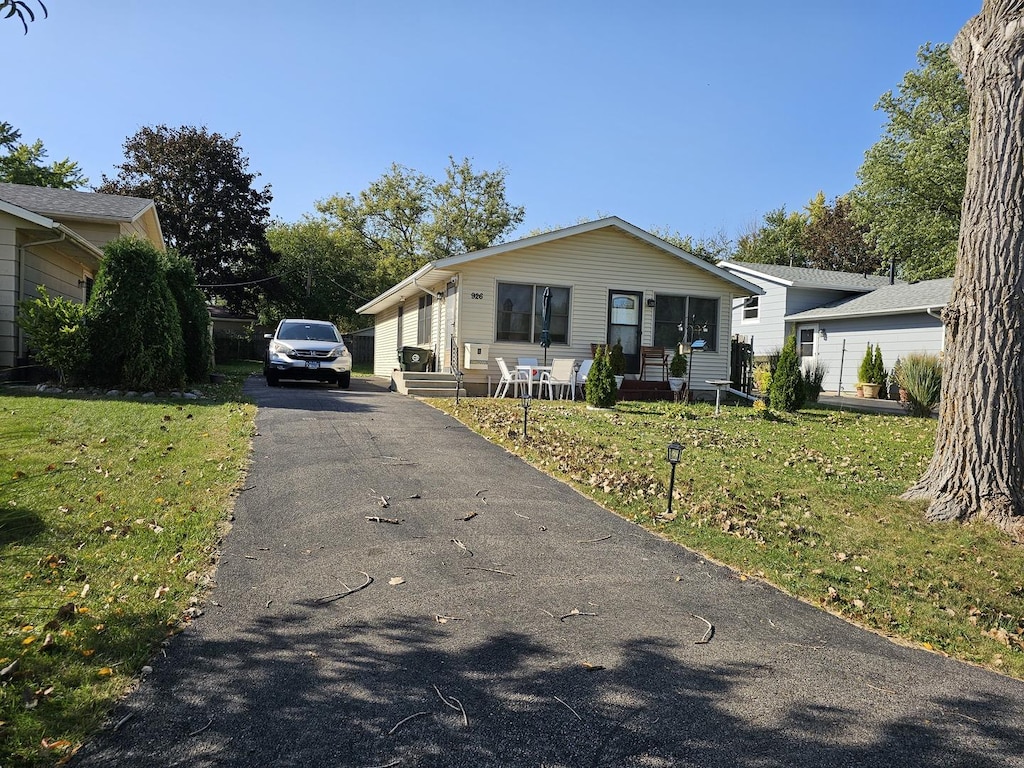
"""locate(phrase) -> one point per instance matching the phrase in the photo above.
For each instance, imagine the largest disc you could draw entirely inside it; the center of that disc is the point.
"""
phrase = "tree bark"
(977, 470)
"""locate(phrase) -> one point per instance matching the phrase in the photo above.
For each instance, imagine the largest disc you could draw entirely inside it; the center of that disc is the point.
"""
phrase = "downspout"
(932, 312)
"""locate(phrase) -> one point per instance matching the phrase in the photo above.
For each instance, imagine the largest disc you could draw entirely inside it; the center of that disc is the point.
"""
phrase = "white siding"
(589, 264)
(386, 343)
(897, 335)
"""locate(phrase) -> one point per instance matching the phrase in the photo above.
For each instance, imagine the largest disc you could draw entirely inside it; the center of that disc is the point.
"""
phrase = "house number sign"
(476, 295)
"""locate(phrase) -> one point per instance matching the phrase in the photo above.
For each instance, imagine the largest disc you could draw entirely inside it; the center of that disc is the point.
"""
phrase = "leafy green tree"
(132, 320)
(195, 318)
(325, 273)
(406, 219)
(713, 248)
(912, 181)
(833, 240)
(21, 9)
(23, 163)
(778, 240)
(209, 210)
(786, 392)
(600, 387)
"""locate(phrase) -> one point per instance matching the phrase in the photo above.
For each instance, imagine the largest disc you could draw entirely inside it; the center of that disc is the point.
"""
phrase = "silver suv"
(307, 349)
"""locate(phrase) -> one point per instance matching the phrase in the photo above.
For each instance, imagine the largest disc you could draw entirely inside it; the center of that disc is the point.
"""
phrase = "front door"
(624, 325)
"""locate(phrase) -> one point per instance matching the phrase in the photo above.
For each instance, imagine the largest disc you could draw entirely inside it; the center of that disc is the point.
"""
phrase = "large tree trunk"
(978, 467)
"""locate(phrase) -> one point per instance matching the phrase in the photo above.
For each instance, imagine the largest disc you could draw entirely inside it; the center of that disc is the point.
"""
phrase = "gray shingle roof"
(887, 300)
(802, 277)
(60, 203)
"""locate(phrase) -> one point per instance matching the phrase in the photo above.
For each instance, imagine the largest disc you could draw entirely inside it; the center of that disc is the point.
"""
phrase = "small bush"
(786, 392)
(814, 374)
(601, 389)
(132, 321)
(878, 373)
(617, 360)
(195, 318)
(762, 377)
(867, 366)
(677, 368)
(920, 374)
(53, 325)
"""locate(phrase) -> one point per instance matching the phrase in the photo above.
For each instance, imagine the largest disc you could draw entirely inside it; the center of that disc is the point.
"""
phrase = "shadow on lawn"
(363, 694)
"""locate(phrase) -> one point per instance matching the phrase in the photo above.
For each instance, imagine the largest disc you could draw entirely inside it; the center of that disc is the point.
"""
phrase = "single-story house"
(55, 237)
(609, 281)
(835, 315)
(899, 318)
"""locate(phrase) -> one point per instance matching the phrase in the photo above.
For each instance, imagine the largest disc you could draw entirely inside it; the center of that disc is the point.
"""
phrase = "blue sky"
(696, 117)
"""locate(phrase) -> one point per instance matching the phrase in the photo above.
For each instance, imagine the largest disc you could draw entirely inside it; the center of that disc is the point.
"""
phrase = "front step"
(633, 389)
(425, 384)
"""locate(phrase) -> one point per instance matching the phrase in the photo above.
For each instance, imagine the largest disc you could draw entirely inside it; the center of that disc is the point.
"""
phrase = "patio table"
(718, 384)
(534, 372)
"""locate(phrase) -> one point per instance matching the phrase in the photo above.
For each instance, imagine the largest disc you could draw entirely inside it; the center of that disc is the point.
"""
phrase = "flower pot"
(870, 390)
(860, 389)
(618, 381)
(676, 385)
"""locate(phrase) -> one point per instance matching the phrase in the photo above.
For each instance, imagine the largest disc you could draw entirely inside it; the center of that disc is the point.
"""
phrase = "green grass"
(808, 502)
(110, 514)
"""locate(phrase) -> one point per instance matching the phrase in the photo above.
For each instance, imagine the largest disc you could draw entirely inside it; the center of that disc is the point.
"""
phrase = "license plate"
(312, 364)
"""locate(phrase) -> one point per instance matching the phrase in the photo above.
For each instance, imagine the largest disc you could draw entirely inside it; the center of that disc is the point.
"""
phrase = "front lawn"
(808, 502)
(110, 514)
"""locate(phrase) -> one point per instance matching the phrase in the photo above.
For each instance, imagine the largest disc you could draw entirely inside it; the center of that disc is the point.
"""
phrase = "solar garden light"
(524, 400)
(458, 386)
(576, 364)
(673, 454)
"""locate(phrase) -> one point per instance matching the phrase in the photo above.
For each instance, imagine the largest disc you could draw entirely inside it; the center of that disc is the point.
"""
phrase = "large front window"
(424, 327)
(520, 313)
(698, 318)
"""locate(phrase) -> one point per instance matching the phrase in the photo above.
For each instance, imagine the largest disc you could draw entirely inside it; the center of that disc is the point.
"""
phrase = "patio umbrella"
(545, 323)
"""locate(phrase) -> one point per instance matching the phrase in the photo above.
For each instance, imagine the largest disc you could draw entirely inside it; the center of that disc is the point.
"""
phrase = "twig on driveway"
(376, 519)
(470, 516)
(459, 708)
(348, 590)
(200, 730)
(463, 547)
(569, 708)
(591, 541)
(708, 634)
(575, 612)
(403, 721)
(492, 570)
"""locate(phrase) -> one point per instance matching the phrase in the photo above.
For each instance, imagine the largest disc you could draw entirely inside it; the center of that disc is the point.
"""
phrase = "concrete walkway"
(540, 631)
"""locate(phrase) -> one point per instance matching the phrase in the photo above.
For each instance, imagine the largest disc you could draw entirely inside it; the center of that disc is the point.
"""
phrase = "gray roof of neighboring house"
(69, 203)
(901, 298)
(803, 277)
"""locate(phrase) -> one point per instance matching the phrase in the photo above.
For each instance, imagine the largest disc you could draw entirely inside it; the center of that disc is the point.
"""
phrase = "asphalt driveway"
(540, 631)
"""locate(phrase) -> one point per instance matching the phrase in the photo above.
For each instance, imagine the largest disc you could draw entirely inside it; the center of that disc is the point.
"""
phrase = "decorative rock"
(191, 396)
(131, 393)
(147, 670)
(113, 393)
(149, 394)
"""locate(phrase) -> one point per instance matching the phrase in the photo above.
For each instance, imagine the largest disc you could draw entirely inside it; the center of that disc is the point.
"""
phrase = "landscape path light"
(673, 454)
(524, 400)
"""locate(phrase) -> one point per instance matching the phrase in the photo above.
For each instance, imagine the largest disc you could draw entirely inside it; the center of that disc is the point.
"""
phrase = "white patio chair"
(533, 374)
(560, 375)
(581, 377)
(513, 376)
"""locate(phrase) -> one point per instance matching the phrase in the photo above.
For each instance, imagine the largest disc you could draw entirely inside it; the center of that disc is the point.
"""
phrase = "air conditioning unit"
(476, 356)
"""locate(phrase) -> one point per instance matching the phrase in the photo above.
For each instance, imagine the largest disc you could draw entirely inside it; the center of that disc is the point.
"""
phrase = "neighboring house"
(609, 281)
(834, 315)
(788, 290)
(54, 237)
(900, 319)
